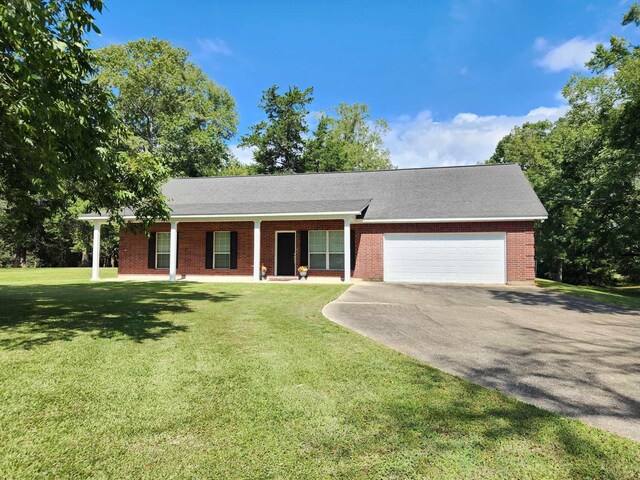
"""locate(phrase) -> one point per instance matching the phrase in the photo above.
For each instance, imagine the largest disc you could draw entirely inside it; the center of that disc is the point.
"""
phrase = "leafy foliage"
(60, 141)
(172, 110)
(348, 141)
(279, 140)
(586, 170)
(234, 168)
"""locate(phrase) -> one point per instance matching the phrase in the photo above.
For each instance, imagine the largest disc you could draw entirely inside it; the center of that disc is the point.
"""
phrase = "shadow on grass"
(34, 315)
(478, 420)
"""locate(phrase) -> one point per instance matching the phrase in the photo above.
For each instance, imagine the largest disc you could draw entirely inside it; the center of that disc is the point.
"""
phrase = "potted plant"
(302, 271)
(263, 272)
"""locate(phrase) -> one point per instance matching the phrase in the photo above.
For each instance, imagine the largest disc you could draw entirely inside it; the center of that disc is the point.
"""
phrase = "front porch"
(311, 280)
(235, 250)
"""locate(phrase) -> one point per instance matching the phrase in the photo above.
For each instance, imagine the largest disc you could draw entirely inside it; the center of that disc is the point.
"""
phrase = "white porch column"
(256, 250)
(173, 251)
(347, 250)
(95, 260)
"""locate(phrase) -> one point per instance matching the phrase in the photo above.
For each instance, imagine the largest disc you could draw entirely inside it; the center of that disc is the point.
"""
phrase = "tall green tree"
(59, 138)
(350, 140)
(608, 104)
(586, 169)
(170, 107)
(322, 153)
(537, 148)
(279, 140)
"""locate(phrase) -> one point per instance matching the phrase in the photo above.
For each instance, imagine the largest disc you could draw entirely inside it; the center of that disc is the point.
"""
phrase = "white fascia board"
(272, 215)
(248, 216)
(96, 219)
(453, 220)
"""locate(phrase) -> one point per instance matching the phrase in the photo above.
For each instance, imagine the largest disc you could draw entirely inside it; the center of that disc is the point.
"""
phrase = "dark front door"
(286, 254)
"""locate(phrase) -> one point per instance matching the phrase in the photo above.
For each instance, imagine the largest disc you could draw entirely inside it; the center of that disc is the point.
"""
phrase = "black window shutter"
(151, 260)
(208, 254)
(304, 247)
(353, 250)
(233, 261)
(178, 252)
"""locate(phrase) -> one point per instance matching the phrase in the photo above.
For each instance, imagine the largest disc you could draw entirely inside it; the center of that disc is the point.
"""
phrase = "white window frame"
(168, 252)
(221, 253)
(327, 252)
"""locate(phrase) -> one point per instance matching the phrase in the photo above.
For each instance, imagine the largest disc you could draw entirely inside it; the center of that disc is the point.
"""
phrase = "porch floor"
(226, 279)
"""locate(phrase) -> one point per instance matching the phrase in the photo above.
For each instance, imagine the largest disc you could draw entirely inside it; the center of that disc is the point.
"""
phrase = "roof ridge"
(345, 172)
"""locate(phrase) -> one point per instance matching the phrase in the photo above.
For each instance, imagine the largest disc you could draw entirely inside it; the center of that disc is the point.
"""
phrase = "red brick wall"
(134, 249)
(520, 249)
(369, 245)
(268, 241)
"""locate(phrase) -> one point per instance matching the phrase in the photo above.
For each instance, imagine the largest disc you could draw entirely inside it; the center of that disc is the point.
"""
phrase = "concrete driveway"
(576, 357)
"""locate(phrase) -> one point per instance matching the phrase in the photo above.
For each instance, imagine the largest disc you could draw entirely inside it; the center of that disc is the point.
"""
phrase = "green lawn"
(15, 276)
(187, 380)
(628, 296)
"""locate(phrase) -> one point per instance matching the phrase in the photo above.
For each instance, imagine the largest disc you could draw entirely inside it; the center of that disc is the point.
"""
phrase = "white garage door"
(444, 257)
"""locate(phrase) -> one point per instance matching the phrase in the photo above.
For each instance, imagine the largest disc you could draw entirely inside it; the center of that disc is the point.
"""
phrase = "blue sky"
(451, 77)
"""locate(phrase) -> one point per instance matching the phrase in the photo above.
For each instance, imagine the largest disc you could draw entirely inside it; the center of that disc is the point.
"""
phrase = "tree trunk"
(20, 257)
(85, 261)
(559, 272)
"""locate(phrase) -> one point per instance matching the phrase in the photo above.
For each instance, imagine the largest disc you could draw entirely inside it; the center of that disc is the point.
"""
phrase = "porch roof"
(342, 207)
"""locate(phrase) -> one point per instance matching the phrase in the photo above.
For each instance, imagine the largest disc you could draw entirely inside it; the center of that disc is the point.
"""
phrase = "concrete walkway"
(576, 357)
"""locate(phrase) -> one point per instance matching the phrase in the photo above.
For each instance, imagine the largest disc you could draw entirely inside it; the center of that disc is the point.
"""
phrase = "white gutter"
(291, 216)
(327, 216)
(453, 220)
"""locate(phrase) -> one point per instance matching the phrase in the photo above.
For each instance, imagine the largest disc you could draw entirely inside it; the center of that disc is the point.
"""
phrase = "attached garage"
(445, 257)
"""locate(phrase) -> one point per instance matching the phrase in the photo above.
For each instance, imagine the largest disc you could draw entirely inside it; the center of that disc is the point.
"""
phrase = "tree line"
(585, 167)
(86, 130)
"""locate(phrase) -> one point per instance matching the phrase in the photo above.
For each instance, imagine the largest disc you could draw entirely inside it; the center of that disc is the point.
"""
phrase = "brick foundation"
(368, 240)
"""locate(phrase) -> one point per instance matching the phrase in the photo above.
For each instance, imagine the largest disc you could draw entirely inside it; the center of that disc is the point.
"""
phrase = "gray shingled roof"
(481, 191)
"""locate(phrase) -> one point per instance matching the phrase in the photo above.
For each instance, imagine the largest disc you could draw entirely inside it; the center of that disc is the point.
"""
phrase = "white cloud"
(422, 141)
(215, 46)
(570, 55)
(547, 113)
(244, 155)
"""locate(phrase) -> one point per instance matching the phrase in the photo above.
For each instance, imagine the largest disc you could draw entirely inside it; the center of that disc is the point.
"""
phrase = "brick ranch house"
(471, 224)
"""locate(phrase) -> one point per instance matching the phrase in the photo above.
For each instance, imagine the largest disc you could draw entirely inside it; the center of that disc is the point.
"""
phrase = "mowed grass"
(54, 276)
(189, 380)
(625, 296)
